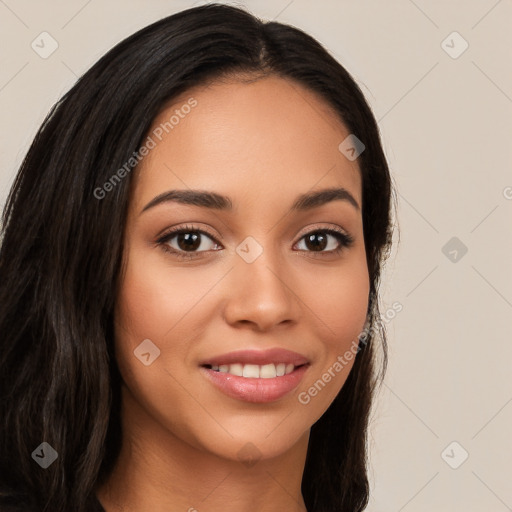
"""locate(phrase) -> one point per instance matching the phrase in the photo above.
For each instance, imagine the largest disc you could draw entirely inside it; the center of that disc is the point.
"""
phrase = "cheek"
(162, 305)
(340, 304)
(340, 301)
(154, 300)
(165, 306)
(345, 304)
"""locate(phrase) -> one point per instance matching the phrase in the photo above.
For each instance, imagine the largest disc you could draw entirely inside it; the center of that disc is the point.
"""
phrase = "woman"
(190, 265)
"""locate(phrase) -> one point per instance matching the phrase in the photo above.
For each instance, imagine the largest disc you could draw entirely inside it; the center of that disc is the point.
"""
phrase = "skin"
(262, 143)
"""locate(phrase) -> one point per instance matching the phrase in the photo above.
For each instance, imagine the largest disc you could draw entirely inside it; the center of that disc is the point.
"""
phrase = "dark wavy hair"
(61, 254)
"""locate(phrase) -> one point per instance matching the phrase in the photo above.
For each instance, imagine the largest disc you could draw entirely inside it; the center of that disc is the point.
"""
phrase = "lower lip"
(255, 390)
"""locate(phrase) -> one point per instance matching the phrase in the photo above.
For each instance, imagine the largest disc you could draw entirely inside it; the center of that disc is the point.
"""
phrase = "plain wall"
(446, 124)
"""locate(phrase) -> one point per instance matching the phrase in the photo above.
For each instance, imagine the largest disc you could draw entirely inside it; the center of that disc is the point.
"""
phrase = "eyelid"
(186, 227)
(324, 227)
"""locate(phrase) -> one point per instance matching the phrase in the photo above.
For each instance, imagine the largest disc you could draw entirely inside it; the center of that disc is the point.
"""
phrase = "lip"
(259, 357)
(255, 390)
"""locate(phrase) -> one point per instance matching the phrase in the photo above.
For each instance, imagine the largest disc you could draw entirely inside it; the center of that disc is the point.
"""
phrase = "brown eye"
(318, 241)
(188, 240)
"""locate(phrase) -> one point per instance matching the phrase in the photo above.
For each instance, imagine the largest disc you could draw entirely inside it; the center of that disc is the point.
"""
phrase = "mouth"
(257, 376)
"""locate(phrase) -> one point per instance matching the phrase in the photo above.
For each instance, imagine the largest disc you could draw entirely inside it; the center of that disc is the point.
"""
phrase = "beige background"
(446, 125)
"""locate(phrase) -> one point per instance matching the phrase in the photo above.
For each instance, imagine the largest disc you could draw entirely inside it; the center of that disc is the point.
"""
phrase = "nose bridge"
(261, 292)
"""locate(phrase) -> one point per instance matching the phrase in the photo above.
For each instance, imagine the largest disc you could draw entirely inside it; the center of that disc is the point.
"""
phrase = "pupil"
(315, 245)
(188, 241)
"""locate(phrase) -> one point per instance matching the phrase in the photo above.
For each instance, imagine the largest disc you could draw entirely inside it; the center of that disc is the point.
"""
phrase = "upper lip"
(259, 357)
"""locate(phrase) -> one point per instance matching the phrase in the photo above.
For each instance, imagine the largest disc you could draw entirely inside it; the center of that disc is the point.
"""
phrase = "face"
(247, 272)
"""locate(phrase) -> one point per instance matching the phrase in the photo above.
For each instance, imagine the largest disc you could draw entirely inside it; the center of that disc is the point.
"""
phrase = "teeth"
(266, 371)
(251, 370)
(235, 369)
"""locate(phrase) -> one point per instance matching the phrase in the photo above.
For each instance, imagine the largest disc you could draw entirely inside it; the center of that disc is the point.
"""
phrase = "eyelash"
(344, 239)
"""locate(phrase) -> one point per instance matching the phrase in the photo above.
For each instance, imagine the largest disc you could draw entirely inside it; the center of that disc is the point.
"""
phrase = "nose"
(261, 294)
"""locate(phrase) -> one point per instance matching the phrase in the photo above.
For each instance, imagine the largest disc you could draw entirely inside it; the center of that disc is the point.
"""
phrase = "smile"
(257, 376)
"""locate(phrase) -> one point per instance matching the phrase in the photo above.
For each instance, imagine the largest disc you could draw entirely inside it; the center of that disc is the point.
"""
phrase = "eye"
(318, 240)
(184, 242)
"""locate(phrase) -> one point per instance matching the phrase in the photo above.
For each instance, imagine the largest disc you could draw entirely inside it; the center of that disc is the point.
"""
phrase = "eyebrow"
(207, 199)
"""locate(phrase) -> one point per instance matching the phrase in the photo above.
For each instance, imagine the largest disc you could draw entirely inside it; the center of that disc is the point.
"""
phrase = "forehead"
(262, 138)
